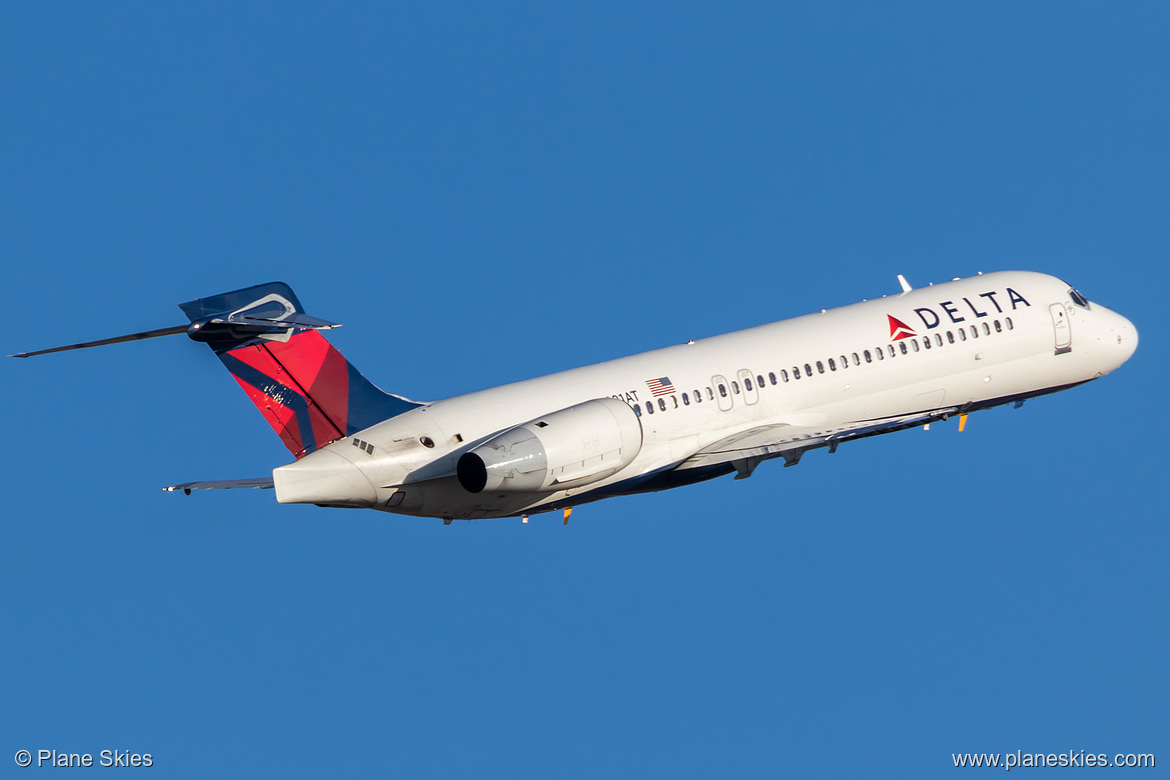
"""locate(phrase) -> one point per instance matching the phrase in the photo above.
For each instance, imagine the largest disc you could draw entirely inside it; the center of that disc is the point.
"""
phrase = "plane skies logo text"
(958, 311)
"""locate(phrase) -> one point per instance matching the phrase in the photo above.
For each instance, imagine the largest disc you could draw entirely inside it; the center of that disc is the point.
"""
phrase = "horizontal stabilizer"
(297, 319)
(221, 484)
(272, 316)
(148, 334)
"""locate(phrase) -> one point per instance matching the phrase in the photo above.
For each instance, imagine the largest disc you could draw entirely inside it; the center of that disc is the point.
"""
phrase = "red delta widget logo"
(898, 329)
(958, 312)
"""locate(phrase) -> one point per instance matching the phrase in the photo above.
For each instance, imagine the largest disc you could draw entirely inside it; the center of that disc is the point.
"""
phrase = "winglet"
(905, 284)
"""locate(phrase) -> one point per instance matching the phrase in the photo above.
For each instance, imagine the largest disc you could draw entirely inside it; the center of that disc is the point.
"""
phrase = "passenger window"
(868, 357)
(760, 380)
(747, 384)
(795, 372)
(832, 364)
(998, 327)
(856, 360)
(772, 377)
(820, 367)
(962, 335)
(784, 374)
(698, 397)
(735, 387)
(938, 339)
(891, 348)
(723, 390)
(844, 362)
(674, 398)
(986, 329)
(880, 354)
(902, 344)
(950, 337)
(807, 370)
(974, 332)
(711, 395)
(1008, 322)
(637, 410)
(914, 344)
(686, 400)
(926, 341)
(662, 404)
(649, 408)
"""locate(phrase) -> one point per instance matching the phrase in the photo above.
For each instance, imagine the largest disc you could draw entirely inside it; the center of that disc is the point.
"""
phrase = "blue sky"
(484, 193)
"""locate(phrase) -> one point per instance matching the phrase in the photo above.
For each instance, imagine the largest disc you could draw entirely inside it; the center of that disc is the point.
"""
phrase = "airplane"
(648, 422)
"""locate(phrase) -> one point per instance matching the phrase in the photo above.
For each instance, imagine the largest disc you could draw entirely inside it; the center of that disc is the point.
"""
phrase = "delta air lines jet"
(653, 421)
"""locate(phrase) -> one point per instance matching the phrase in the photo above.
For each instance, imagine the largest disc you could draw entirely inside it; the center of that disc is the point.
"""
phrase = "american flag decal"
(660, 386)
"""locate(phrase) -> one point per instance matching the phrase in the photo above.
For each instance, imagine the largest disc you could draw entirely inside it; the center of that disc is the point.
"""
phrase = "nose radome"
(1128, 337)
(323, 477)
(1116, 334)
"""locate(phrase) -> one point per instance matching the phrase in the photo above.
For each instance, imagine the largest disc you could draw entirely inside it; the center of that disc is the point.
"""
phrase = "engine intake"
(575, 446)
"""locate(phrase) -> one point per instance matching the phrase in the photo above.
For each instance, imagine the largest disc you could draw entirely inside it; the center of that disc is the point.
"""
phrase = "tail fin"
(307, 391)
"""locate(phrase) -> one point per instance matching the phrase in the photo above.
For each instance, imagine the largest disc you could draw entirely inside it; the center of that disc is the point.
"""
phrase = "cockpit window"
(1077, 298)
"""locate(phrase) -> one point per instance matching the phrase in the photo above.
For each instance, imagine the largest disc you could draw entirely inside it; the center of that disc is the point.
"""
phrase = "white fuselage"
(856, 370)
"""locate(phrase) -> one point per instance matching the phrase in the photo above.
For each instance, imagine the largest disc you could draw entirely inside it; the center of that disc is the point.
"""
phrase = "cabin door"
(751, 393)
(1061, 328)
(722, 390)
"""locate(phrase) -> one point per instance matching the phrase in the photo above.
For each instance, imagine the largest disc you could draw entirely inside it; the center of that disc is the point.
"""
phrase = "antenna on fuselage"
(905, 284)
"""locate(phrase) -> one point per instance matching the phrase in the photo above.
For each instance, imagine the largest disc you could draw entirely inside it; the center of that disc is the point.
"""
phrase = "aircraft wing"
(760, 443)
(790, 440)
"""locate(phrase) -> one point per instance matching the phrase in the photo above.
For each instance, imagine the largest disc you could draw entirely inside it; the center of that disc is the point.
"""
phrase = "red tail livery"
(306, 390)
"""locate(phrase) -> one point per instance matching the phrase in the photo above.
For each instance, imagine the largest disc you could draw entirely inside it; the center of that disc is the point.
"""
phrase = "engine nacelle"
(575, 446)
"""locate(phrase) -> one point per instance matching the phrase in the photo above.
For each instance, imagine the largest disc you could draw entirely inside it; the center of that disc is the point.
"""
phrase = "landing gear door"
(1061, 328)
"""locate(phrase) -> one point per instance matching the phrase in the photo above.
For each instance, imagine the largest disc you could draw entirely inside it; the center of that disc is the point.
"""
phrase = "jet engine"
(575, 446)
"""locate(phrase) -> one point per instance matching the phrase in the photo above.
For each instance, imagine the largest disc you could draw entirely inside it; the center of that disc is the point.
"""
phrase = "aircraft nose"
(323, 477)
(1127, 337)
(1117, 335)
